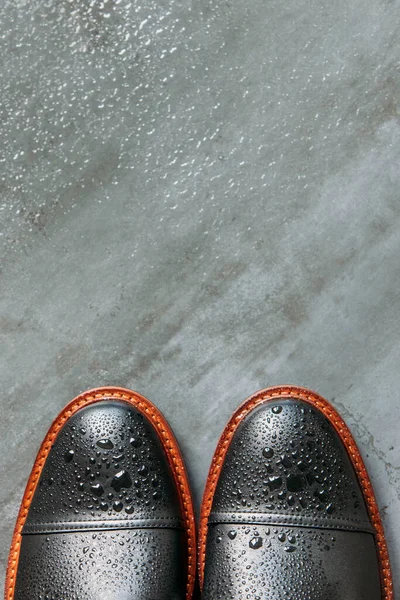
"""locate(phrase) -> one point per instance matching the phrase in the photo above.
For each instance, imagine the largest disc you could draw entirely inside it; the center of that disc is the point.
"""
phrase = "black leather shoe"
(107, 513)
(289, 512)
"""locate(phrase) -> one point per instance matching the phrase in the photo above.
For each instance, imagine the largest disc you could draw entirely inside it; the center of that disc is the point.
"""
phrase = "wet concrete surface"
(199, 200)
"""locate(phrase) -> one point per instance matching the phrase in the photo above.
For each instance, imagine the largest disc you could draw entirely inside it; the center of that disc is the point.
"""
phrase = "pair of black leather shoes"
(288, 511)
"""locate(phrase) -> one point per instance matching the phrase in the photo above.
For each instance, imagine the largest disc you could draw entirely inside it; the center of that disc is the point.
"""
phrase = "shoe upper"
(105, 519)
(288, 518)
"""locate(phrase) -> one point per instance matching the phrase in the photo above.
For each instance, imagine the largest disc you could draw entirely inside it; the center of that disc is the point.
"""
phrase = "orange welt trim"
(171, 449)
(290, 391)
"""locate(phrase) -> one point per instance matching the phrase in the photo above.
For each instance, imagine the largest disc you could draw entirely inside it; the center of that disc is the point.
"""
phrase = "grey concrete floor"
(199, 199)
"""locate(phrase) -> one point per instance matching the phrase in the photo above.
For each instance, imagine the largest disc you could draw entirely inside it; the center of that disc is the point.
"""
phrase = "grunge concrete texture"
(200, 199)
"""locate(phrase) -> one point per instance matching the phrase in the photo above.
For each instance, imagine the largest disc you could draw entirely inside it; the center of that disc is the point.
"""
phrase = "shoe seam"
(251, 518)
(98, 525)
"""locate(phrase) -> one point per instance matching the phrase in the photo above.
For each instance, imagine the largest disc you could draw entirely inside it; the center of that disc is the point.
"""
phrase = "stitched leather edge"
(102, 525)
(291, 521)
(172, 452)
(317, 401)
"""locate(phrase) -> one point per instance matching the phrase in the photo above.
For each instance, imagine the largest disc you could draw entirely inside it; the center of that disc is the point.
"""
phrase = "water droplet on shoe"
(106, 444)
(122, 479)
(97, 489)
(274, 482)
(285, 460)
(255, 543)
(135, 442)
(295, 483)
(268, 452)
(69, 455)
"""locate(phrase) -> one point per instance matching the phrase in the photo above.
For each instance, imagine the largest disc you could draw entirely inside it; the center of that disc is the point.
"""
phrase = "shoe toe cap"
(106, 463)
(285, 510)
(285, 458)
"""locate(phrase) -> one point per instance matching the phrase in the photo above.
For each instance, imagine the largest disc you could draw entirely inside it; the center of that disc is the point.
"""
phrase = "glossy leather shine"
(105, 520)
(288, 519)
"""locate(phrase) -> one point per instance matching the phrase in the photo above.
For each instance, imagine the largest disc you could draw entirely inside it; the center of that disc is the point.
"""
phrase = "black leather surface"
(288, 519)
(283, 563)
(110, 565)
(107, 463)
(105, 519)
